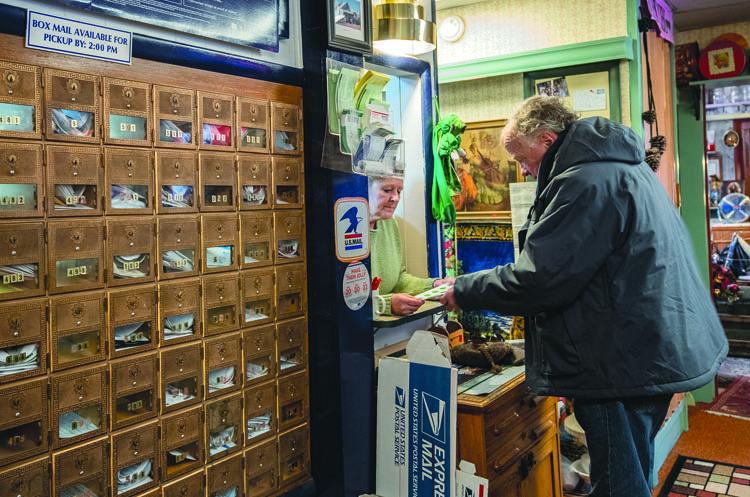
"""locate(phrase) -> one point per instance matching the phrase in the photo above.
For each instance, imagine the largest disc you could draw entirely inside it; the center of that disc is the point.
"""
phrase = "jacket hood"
(596, 139)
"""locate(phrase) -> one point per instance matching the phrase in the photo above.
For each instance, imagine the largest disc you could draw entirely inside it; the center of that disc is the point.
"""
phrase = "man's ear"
(548, 138)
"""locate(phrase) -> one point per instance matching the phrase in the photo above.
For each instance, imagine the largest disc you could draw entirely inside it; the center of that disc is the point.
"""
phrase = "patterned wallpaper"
(496, 27)
(705, 36)
(482, 99)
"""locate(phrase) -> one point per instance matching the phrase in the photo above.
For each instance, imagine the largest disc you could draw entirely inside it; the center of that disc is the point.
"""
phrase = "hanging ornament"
(657, 142)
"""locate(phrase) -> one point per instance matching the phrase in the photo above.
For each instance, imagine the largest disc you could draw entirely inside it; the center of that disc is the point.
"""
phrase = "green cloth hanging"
(446, 138)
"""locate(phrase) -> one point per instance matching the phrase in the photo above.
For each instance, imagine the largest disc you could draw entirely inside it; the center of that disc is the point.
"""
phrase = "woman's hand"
(450, 280)
(403, 304)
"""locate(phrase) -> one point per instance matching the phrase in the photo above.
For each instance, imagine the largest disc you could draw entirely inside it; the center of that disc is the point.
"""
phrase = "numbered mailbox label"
(77, 271)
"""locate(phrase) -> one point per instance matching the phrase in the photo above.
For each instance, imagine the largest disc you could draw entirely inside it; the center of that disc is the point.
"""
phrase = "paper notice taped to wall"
(590, 99)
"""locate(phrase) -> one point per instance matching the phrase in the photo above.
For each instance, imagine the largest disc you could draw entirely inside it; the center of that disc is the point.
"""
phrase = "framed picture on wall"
(485, 172)
(349, 25)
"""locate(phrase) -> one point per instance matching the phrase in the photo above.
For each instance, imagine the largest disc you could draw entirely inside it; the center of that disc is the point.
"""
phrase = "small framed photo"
(349, 25)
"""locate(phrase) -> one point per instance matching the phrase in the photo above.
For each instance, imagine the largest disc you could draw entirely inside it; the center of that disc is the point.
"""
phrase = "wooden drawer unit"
(255, 182)
(174, 117)
(259, 345)
(21, 179)
(225, 478)
(260, 412)
(257, 233)
(288, 183)
(75, 255)
(20, 101)
(294, 455)
(220, 303)
(23, 339)
(530, 474)
(176, 182)
(132, 320)
(193, 485)
(291, 291)
(285, 125)
(72, 105)
(262, 469)
(292, 346)
(224, 433)
(134, 385)
(180, 311)
(74, 181)
(179, 246)
(129, 181)
(220, 236)
(23, 421)
(22, 260)
(181, 376)
(83, 470)
(293, 400)
(77, 329)
(135, 460)
(289, 230)
(79, 405)
(28, 480)
(217, 182)
(182, 443)
(252, 125)
(131, 248)
(216, 114)
(223, 364)
(258, 296)
(127, 112)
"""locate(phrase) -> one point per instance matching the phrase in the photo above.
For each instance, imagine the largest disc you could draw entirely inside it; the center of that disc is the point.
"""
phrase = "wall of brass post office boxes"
(153, 320)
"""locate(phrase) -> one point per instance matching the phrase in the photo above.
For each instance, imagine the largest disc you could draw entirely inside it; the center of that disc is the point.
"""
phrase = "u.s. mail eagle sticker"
(352, 222)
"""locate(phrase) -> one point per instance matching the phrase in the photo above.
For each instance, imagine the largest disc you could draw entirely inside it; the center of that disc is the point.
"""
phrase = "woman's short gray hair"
(541, 113)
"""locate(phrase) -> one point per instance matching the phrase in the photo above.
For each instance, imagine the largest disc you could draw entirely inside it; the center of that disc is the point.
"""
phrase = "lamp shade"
(400, 28)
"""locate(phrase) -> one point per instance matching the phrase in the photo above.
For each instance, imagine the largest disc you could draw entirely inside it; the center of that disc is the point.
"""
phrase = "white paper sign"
(352, 220)
(67, 36)
(590, 99)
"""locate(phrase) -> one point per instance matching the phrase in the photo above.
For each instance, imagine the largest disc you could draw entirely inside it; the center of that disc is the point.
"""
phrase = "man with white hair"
(618, 318)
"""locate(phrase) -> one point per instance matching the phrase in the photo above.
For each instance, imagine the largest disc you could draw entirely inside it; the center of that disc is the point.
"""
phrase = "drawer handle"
(133, 372)
(537, 432)
(225, 476)
(257, 282)
(17, 403)
(11, 79)
(177, 167)
(285, 115)
(288, 171)
(259, 344)
(289, 226)
(74, 88)
(500, 468)
(174, 100)
(81, 462)
(129, 165)
(12, 161)
(253, 113)
(80, 387)
(16, 325)
(290, 279)
(259, 399)
(75, 163)
(256, 230)
(500, 429)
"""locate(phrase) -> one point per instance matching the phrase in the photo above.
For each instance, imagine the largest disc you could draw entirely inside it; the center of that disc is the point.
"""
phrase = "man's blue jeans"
(620, 437)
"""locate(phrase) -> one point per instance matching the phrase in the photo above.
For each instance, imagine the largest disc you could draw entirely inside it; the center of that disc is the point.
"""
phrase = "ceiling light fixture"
(400, 28)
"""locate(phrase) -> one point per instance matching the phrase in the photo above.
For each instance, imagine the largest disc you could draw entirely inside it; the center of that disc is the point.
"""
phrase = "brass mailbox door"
(22, 261)
(216, 113)
(255, 182)
(180, 311)
(130, 244)
(289, 228)
(20, 101)
(260, 412)
(252, 125)
(181, 376)
(220, 237)
(32, 479)
(74, 181)
(224, 434)
(182, 442)
(21, 180)
(259, 345)
(217, 180)
(177, 180)
(79, 405)
(76, 259)
(82, 470)
(77, 330)
(294, 455)
(288, 185)
(262, 469)
(23, 340)
(223, 365)
(286, 130)
(291, 291)
(23, 420)
(179, 246)
(293, 400)
(292, 346)
(225, 478)
(127, 112)
(135, 460)
(193, 485)
(72, 103)
(256, 229)
(130, 183)
(257, 296)
(132, 320)
(220, 303)
(134, 384)
(174, 117)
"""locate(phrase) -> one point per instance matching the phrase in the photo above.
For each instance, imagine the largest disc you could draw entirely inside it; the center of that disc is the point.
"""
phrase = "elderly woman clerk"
(397, 286)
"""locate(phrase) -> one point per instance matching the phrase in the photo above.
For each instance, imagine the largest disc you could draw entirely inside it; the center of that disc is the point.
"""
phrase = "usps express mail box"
(416, 438)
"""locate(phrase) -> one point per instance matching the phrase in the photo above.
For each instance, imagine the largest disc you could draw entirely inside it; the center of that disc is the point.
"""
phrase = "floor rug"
(701, 478)
(732, 367)
(734, 401)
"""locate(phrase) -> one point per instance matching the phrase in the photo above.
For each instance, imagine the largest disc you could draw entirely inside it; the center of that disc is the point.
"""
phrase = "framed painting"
(349, 25)
(485, 172)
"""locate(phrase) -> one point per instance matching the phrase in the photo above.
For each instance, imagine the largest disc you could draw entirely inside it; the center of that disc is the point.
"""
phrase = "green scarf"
(446, 138)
